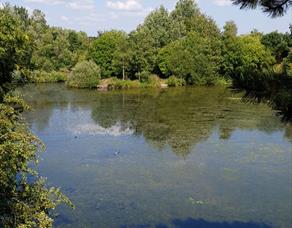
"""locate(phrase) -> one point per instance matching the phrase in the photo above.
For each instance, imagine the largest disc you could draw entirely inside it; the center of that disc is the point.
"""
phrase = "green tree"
(230, 30)
(25, 199)
(192, 58)
(148, 38)
(14, 42)
(229, 49)
(184, 12)
(103, 49)
(278, 43)
(250, 63)
(122, 57)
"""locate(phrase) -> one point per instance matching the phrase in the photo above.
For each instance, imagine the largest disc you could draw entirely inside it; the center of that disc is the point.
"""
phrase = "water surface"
(186, 157)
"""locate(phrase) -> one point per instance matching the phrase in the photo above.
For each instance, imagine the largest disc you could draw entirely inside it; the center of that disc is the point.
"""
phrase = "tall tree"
(14, 42)
(103, 49)
(193, 58)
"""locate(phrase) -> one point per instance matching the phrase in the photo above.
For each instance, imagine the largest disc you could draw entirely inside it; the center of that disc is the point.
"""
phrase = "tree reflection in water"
(179, 118)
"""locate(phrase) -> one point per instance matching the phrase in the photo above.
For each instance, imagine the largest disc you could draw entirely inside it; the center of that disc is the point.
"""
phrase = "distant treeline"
(184, 45)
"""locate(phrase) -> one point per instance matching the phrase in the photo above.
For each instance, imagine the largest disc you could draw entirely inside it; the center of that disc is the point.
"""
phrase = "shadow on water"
(201, 223)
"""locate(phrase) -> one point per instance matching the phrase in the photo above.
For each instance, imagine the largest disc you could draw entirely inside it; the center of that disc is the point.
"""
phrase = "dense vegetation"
(183, 44)
(175, 48)
(26, 201)
(182, 47)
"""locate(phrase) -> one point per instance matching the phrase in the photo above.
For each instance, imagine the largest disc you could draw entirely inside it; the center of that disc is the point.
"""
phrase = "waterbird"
(117, 153)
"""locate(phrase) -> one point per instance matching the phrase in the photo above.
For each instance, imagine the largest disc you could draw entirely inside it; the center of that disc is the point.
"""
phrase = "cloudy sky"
(94, 15)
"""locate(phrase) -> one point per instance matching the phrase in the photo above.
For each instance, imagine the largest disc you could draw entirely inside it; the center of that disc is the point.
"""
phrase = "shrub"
(153, 81)
(85, 74)
(283, 102)
(143, 76)
(123, 84)
(44, 77)
(221, 81)
(173, 81)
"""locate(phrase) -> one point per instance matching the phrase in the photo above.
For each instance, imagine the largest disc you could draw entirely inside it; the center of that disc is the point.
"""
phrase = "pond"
(181, 157)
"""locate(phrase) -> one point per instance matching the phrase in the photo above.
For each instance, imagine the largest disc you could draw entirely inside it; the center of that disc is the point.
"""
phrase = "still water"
(186, 157)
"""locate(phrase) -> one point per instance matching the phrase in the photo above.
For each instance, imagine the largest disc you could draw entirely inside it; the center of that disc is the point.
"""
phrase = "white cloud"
(92, 129)
(128, 5)
(64, 18)
(222, 2)
(72, 4)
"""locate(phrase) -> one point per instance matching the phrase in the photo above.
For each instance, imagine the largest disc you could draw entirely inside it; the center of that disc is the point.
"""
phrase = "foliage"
(85, 74)
(116, 84)
(174, 81)
(14, 42)
(282, 100)
(274, 8)
(103, 50)
(192, 58)
(59, 48)
(143, 76)
(25, 200)
(249, 63)
(39, 76)
(278, 43)
(153, 81)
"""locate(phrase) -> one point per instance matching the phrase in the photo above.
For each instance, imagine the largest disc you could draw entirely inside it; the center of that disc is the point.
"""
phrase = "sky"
(91, 16)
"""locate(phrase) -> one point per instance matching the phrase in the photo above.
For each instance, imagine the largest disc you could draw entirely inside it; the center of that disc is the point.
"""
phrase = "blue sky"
(94, 15)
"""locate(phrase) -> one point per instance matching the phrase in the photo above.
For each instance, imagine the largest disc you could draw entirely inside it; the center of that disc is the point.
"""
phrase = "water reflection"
(159, 157)
(179, 118)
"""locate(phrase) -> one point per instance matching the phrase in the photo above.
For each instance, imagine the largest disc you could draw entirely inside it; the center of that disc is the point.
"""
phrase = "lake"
(179, 157)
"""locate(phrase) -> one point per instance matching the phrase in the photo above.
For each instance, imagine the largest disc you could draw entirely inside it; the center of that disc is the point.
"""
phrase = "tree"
(184, 12)
(122, 57)
(26, 201)
(274, 8)
(148, 38)
(278, 43)
(14, 43)
(192, 58)
(250, 63)
(229, 49)
(230, 30)
(103, 49)
(188, 17)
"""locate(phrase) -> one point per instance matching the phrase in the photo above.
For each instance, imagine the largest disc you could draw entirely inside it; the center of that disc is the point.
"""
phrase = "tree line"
(183, 46)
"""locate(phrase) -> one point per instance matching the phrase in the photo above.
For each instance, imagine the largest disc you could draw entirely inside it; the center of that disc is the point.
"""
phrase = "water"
(186, 157)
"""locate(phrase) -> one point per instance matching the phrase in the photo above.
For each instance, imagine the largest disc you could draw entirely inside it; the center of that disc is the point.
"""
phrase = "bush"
(123, 84)
(153, 81)
(85, 74)
(44, 77)
(221, 81)
(143, 76)
(173, 81)
(283, 102)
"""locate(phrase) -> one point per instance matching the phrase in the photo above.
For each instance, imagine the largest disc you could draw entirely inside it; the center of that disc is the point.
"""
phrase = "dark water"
(187, 157)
